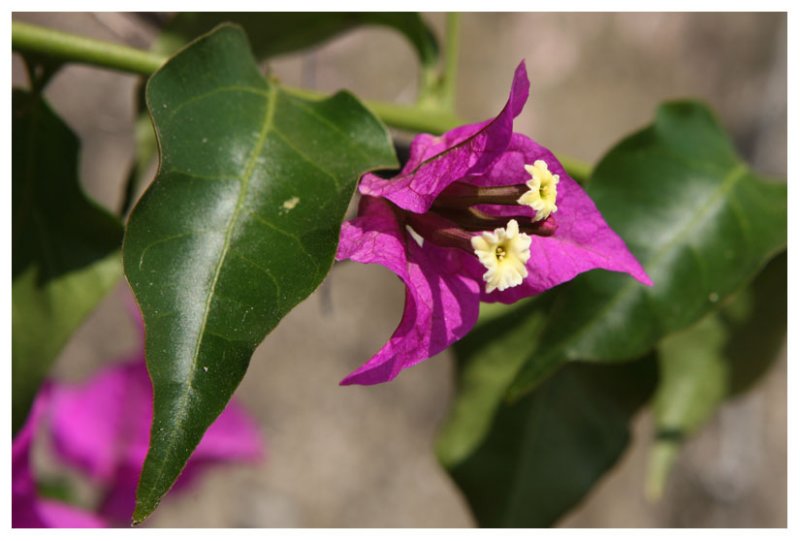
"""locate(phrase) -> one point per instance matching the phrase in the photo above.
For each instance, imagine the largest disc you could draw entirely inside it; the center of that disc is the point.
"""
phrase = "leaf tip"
(142, 511)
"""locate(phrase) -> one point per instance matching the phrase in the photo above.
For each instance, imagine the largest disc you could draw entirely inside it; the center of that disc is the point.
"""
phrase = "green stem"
(451, 60)
(404, 117)
(64, 46)
(69, 47)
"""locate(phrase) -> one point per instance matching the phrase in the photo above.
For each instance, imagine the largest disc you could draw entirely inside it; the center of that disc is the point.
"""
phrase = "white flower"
(504, 254)
(542, 194)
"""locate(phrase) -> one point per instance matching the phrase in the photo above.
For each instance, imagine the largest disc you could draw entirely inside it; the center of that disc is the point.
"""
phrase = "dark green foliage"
(65, 248)
(240, 225)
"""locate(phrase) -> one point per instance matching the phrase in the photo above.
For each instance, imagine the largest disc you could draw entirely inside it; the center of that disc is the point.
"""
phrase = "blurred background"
(362, 456)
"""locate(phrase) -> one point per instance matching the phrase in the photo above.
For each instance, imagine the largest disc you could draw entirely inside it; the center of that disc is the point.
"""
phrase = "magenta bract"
(455, 187)
(102, 428)
(28, 510)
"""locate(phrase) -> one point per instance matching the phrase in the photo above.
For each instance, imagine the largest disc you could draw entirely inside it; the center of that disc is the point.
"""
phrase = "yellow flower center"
(504, 253)
(542, 192)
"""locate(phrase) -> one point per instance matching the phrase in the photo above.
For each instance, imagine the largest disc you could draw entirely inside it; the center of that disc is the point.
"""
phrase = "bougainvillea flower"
(102, 427)
(478, 214)
(28, 509)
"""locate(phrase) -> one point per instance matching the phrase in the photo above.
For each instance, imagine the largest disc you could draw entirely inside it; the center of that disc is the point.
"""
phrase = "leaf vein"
(269, 225)
(305, 157)
(346, 137)
(221, 90)
(183, 403)
(170, 238)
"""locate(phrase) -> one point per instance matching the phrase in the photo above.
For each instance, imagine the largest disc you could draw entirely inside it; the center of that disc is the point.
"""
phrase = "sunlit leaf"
(273, 34)
(697, 218)
(239, 226)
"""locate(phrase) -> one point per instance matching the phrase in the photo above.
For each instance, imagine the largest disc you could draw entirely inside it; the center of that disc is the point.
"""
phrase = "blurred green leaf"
(697, 218)
(545, 451)
(488, 358)
(756, 326)
(272, 34)
(65, 254)
(724, 354)
(693, 383)
(240, 225)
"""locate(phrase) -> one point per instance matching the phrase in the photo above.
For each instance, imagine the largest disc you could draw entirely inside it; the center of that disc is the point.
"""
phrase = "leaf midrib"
(269, 114)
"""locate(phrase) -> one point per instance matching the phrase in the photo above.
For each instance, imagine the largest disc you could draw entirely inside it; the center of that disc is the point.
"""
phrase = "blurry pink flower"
(28, 510)
(102, 428)
(478, 214)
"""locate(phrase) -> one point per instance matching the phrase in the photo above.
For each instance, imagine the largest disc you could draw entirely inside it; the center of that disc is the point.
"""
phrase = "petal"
(234, 436)
(582, 242)
(103, 428)
(27, 509)
(120, 497)
(24, 500)
(55, 514)
(441, 303)
(21, 475)
(105, 420)
(435, 163)
(373, 237)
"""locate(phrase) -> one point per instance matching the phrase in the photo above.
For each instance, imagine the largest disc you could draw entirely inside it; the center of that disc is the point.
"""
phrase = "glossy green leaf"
(273, 34)
(723, 354)
(278, 33)
(239, 226)
(65, 248)
(545, 451)
(697, 218)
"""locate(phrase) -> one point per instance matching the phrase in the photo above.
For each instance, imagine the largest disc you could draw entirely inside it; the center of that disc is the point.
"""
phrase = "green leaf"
(65, 254)
(272, 34)
(693, 383)
(545, 451)
(756, 326)
(723, 354)
(240, 225)
(488, 358)
(697, 218)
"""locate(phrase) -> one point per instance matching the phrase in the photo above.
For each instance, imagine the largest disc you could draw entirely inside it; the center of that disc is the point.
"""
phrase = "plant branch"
(53, 43)
(27, 38)
(404, 117)
(451, 60)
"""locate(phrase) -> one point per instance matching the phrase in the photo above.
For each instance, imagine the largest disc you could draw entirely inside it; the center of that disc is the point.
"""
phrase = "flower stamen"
(504, 253)
(542, 192)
